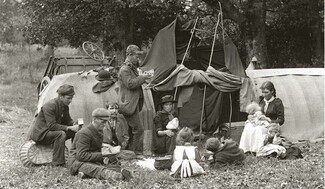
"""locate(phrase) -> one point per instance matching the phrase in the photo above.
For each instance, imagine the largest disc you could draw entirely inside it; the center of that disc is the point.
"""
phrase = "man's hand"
(169, 133)
(74, 128)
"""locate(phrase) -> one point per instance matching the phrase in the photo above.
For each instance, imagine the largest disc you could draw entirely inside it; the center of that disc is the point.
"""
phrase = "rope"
(187, 48)
(205, 86)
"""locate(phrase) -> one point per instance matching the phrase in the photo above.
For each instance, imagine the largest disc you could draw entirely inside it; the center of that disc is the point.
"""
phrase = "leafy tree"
(11, 21)
(295, 35)
(276, 32)
(115, 23)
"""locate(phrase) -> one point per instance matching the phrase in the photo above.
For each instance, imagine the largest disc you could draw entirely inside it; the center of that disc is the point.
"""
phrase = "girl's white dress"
(188, 166)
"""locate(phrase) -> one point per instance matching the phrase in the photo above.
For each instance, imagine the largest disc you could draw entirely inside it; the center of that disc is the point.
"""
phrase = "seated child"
(272, 143)
(186, 156)
(184, 162)
(255, 115)
(224, 153)
(115, 133)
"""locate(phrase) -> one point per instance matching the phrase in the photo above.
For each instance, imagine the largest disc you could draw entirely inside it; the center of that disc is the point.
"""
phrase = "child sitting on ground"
(255, 115)
(272, 143)
(115, 134)
(224, 153)
(186, 156)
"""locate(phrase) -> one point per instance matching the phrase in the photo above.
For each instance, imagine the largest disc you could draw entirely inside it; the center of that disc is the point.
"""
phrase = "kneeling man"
(53, 124)
(86, 155)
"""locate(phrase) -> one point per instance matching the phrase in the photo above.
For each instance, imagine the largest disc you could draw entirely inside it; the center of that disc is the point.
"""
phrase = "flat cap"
(132, 50)
(101, 113)
(66, 90)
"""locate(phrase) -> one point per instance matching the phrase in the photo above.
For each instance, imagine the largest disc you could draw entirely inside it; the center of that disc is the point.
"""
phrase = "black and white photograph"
(162, 94)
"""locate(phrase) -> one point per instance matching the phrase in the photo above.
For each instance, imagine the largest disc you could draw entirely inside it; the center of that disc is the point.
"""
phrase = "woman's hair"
(252, 108)
(184, 135)
(269, 86)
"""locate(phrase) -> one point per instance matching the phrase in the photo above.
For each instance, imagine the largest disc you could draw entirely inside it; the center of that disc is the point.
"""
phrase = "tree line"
(280, 33)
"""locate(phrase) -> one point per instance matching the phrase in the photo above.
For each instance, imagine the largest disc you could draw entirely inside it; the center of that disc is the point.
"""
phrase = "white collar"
(268, 101)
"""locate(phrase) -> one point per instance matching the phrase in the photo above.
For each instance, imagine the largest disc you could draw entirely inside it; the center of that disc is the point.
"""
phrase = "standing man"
(86, 154)
(130, 96)
(53, 124)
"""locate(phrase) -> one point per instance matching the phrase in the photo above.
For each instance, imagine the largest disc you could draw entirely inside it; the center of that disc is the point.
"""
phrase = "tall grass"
(21, 69)
(21, 65)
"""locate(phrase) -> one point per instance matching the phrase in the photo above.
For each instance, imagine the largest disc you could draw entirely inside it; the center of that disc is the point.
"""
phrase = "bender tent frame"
(223, 76)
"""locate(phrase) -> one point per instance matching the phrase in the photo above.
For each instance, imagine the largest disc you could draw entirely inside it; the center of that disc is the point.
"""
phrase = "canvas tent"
(223, 77)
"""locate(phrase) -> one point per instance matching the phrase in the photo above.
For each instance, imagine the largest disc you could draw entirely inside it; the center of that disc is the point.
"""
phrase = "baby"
(224, 153)
(255, 115)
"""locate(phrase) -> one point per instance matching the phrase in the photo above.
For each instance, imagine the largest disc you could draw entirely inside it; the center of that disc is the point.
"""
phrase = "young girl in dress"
(186, 156)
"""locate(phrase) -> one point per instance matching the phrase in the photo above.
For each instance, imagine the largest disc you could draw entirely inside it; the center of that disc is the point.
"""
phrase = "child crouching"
(224, 153)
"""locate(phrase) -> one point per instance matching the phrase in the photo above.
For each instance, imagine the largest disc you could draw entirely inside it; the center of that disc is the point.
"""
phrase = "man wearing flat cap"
(86, 156)
(53, 124)
(130, 96)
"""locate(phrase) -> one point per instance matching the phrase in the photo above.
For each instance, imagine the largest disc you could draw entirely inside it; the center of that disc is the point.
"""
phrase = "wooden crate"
(236, 130)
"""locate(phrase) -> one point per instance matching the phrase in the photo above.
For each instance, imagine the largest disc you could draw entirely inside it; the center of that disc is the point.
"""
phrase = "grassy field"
(18, 100)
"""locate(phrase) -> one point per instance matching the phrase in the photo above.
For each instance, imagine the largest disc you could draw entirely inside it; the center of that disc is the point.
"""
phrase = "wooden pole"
(187, 48)
(205, 86)
(230, 114)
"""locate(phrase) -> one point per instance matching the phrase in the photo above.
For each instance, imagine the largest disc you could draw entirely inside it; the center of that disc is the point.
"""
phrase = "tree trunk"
(254, 32)
(50, 51)
(252, 24)
(129, 29)
(318, 45)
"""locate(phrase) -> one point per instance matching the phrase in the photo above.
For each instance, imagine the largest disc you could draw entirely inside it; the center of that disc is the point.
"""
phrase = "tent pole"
(187, 48)
(230, 114)
(205, 86)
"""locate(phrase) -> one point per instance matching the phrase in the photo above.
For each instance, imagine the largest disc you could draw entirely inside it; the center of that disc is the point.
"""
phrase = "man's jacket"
(54, 116)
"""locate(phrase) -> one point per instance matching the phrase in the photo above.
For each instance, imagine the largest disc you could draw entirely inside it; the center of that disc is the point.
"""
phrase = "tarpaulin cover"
(170, 44)
(183, 76)
(168, 49)
(190, 113)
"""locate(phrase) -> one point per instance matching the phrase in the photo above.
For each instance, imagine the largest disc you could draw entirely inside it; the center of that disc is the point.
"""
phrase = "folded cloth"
(271, 148)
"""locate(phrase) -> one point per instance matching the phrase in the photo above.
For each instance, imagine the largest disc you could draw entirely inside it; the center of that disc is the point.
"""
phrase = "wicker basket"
(31, 154)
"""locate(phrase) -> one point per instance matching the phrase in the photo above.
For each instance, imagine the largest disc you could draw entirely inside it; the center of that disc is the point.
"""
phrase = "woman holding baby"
(270, 109)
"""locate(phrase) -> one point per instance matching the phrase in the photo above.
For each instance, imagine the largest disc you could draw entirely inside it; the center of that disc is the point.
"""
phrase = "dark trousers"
(98, 171)
(135, 132)
(57, 138)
